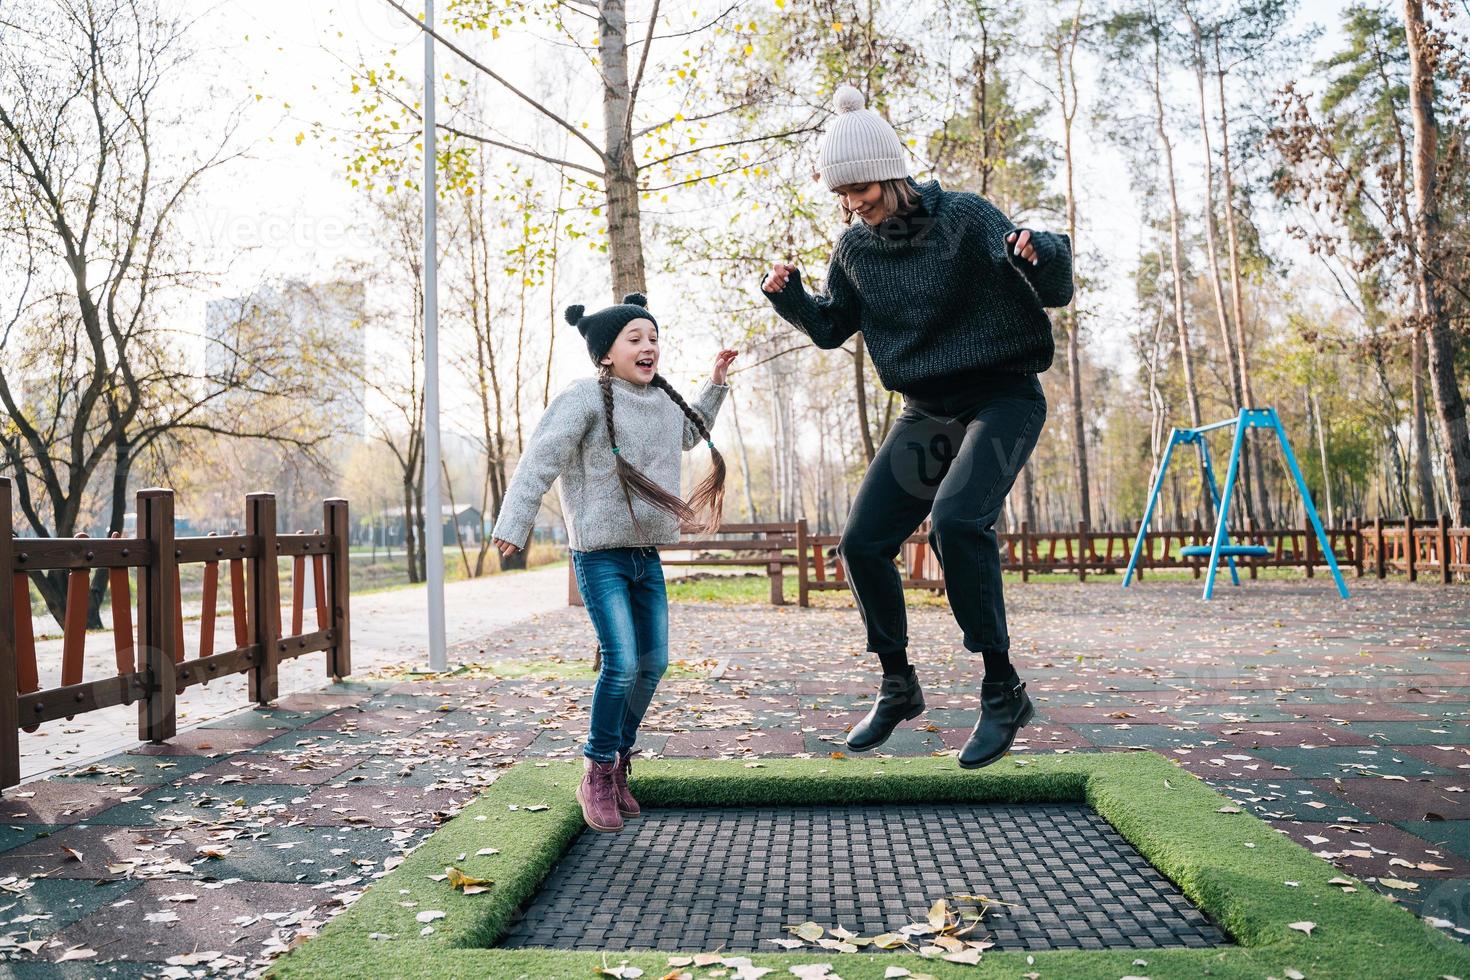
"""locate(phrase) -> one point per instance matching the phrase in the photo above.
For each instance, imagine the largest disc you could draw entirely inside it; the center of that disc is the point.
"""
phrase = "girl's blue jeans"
(623, 590)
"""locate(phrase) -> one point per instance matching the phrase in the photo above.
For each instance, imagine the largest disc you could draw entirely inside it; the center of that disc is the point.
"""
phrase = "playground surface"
(1341, 723)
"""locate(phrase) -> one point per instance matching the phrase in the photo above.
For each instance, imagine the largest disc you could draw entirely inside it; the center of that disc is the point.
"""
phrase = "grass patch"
(1171, 816)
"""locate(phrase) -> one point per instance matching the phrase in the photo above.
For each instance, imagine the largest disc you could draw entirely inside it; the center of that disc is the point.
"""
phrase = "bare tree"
(92, 377)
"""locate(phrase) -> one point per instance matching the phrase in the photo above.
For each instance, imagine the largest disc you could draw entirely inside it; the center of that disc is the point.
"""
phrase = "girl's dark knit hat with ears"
(600, 329)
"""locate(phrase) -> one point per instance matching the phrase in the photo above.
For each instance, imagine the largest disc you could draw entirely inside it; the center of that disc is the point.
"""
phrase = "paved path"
(387, 628)
(1341, 723)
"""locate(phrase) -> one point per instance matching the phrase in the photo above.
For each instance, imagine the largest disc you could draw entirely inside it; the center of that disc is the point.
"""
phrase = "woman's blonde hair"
(899, 198)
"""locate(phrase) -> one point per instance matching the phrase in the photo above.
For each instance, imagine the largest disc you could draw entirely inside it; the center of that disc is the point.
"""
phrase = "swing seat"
(1229, 551)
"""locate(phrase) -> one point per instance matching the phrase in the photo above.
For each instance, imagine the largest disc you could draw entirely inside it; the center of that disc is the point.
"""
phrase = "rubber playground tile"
(129, 769)
(1447, 899)
(1455, 757)
(1452, 835)
(390, 720)
(52, 904)
(1348, 762)
(1161, 737)
(1357, 710)
(1222, 762)
(1371, 849)
(1242, 714)
(1391, 800)
(346, 857)
(378, 806)
(309, 701)
(1301, 734)
(60, 801)
(1105, 715)
(219, 919)
(17, 835)
(405, 770)
(1446, 711)
(302, 740)
(210, 741)
(903, 741)
(275, 768)
(1412, 733)
(84, 851)
(86, 970)
(174, 806)
(1035, 737)
(1293, 799)
(737, 742)
(263, 718)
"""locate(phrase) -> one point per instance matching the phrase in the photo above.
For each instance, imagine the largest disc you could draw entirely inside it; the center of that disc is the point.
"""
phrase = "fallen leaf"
(809, 931)
(429, 915)
(1400, 884)
(76, 953)
(1305, 927)
(465, 883)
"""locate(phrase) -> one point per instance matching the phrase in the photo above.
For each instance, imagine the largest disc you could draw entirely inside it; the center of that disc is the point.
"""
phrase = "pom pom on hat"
(847, 99)
(637, 299)
(859, 146)
(574, 313)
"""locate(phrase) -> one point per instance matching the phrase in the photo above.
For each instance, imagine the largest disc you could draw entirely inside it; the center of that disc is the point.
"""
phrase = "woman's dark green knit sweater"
(946, 298)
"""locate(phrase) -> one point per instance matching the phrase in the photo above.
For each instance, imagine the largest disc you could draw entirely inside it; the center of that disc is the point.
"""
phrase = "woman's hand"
(776, 281)
(506, 548)
(1022, 246)
(722, 365)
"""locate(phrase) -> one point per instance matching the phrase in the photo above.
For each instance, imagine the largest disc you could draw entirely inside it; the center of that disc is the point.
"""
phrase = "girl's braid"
(633, 481)
(709, 496)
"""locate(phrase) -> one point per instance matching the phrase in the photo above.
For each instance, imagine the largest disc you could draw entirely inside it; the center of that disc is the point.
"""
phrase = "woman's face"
(863, 200)
(634, 355)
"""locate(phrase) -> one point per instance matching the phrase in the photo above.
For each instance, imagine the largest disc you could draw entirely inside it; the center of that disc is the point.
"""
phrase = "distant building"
(326, 316)
(388, 528)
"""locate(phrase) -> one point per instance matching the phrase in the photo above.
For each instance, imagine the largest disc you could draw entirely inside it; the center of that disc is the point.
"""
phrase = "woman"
(950, 297)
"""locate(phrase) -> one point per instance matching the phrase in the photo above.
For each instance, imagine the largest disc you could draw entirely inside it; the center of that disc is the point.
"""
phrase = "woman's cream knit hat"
(859, 146)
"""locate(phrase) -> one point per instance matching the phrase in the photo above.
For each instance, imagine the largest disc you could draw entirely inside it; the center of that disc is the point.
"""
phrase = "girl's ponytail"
(709, 496)
(632, 479)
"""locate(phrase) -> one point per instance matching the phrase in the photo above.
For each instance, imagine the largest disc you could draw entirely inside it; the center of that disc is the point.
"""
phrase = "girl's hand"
(776, 281)
(506, 548)
(1022, 246)
(722, 364)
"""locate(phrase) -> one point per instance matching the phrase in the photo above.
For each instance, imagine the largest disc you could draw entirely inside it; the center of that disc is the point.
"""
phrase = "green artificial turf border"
(1171, 816)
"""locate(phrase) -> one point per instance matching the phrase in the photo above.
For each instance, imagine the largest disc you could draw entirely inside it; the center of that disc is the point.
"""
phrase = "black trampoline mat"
(733, 879)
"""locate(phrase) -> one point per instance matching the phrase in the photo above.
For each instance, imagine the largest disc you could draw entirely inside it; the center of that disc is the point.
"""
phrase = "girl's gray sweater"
(571, 443)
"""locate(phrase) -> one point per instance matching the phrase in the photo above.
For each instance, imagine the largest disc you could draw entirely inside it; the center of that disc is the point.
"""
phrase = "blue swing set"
(1220, 546)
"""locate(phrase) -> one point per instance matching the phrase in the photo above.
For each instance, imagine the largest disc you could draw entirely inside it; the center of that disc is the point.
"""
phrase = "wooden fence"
(1375, 548)
(152, 667)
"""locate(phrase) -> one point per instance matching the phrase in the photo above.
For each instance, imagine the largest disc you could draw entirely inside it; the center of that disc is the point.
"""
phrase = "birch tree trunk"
(1448, 402)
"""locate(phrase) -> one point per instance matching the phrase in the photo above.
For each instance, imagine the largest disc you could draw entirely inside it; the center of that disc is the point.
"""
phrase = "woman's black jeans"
(955, 459)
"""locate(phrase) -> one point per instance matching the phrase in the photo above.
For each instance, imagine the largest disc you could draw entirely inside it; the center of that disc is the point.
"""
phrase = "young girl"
(615, 441)
(949, 296)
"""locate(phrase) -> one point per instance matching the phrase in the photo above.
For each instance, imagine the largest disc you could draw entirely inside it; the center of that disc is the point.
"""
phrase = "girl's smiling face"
(864, 200)
(634, 355)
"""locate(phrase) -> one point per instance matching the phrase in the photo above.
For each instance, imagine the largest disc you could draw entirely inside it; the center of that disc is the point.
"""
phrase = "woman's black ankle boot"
(898, 700)
(1004, 709)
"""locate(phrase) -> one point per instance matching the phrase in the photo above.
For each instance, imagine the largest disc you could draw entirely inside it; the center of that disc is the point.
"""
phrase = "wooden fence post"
(9, 674)
(1311, 539)
(801, 575)
(1445, 575)
(335, 521)
(1380, 566)
(773, 569)
(157, 631)
(1025, 551)
(1082, 551)
(265, 597)
(574, 594)
(1411, 553)
(1357, 547)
